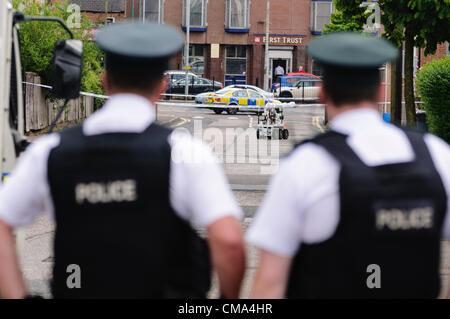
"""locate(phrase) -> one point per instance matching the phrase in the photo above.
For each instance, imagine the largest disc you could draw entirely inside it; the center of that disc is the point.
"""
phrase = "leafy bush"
(433, 83)
(38, 38)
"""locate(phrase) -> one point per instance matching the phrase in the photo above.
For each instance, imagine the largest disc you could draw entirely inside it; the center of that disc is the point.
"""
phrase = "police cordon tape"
(196, 105)
(207, 106)
(179, 95)
(240, 107)
(82, 93)
(275, 98)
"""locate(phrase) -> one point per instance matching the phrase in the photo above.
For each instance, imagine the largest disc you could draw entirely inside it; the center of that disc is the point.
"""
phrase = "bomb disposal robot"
(271, 123)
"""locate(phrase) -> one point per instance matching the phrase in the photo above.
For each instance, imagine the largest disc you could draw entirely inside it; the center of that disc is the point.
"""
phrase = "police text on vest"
(404, 219)
(116, 191)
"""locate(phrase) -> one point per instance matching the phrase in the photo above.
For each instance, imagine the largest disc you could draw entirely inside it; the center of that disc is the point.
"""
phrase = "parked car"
(268, 95)
(198, 67)
(243, 99)
(196, 86)
(303, 87)
(176, 75)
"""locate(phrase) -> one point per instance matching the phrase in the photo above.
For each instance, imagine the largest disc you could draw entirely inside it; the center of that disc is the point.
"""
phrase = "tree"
(349, 16)
(37, 40)
(352, 16)
(340, 22)
(417, 23)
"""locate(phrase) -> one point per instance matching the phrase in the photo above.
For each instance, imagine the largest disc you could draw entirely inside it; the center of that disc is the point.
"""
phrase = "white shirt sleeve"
(26, 194)
(277, 226)
(199, 190)
(440, 153)
(301, 204)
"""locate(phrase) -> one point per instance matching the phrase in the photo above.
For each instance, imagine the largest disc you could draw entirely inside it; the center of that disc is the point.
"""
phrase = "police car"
(238, 99)
(266, 94)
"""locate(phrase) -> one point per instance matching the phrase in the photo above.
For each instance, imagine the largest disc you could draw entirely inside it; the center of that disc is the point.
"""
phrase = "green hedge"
(433, 84)
(37, 40)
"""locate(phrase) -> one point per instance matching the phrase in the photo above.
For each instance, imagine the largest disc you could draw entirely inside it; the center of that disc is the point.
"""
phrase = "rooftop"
(99, 5)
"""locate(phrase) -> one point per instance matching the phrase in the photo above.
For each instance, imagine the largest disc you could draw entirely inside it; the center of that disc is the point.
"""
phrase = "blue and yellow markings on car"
(228, 98)
(243, 101)
(4, 177)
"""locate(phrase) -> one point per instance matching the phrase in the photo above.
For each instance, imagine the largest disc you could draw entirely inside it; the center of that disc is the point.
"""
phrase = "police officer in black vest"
(357, 212)
(126, 192)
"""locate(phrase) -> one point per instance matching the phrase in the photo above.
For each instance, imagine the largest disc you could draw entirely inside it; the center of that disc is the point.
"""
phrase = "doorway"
(278, 63)
(282, 56)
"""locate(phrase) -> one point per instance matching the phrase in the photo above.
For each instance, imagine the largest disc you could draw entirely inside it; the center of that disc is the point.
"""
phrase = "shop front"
(286, 53)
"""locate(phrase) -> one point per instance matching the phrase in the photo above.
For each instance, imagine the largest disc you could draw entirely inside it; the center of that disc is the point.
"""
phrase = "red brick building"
(441, 52)
(227, 36)
(99, 11)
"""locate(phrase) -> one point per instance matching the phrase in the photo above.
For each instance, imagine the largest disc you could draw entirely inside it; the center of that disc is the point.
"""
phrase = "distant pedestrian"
(279, 71)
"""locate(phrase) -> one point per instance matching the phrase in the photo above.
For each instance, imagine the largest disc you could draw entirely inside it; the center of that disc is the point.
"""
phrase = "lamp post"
(186, 54)
(143, 11)
(266, 63)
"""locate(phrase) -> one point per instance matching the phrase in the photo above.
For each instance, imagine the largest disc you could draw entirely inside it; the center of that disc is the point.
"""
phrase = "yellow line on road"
(178, 122)
(182, 122)
(316, 122)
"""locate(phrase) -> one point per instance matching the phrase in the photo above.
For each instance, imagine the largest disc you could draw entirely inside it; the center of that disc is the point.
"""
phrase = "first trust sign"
(279, 39)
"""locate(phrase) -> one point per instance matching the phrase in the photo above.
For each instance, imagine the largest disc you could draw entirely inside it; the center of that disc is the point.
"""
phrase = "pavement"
(248, 163)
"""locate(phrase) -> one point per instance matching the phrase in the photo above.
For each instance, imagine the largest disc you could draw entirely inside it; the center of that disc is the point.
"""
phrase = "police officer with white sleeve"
(126, 192)
(360, 211)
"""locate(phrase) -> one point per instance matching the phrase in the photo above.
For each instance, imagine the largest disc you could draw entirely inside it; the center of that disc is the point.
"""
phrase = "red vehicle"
(301, 73)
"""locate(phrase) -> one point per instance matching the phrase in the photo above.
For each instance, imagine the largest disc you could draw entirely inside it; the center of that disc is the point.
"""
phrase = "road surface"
(248, 163)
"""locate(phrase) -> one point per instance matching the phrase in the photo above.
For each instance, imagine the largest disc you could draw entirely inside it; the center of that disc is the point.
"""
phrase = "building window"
(237, 15)
(448, 49)
(152, 10)
(320, 15)
(196, 59)
(236, 64)
(110, 20)
(198, 15)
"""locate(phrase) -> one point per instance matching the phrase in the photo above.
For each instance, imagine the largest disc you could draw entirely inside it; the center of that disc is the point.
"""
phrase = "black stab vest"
(114, 219)
(390, 216)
